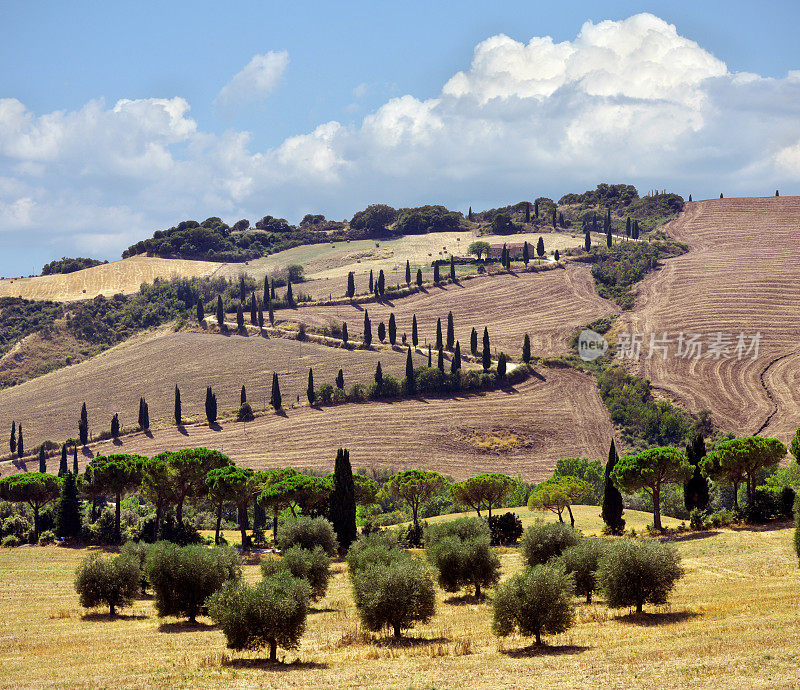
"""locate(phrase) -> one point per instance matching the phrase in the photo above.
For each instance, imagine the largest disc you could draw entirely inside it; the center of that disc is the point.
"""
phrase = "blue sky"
(117, 119)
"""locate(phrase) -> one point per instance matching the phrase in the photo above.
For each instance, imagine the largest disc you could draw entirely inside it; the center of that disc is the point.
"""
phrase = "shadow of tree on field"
(689, 536)
(407, 642)
(215, 427)
(321, 610)
(545, 650)
(116, 617)
(185, 626)
(773, 526)
(649, 619)
(465, 600)
(267, 665)
(182, 430)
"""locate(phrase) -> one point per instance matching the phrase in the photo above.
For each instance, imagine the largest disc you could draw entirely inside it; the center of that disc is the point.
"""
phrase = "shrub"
(245, 413)
(272, 613)
(534, 601)
(184, 577)
(722, 517)
(581, 561)
(411, 537)
(632, 573)
(543, 541)
(47, 537)
(312, 566)
(394, 595)
(697, 519)
(357, 393)
(10, 541)
(325, 393)
(796, 527)
(506, 529)
(307, 533)
(16, 525)
(103, 580)
(375, 548)
(463, 562)
(462, 528)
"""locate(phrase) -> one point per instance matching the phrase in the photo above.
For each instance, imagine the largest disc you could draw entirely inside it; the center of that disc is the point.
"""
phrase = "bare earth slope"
(547, 305)
(541, 420)
(742, 275)
(150, 366)
(123, 276)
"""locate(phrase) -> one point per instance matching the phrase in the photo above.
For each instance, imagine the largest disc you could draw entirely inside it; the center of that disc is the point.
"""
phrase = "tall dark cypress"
(587, 242)
(452, 269)
(378, 374)
(540, 247)
(410, 382)
(440, 360)
(487, 353)
(408, 272)
(451, 335)
(178, 411)
(381, 283)
(275, 398)
(211, 406)
(526, 257)
(501, 366)
(469, 214)
(310, 389)
(340, 380)
(695, 491)
(473, 342)
(265, 299)
(115, 426)
(419, 277)
(414, 334)
(536, 209)
(343, 501)
(42, 460)
(260, 315)
(430, 361)
(527, 212)
(609, 239)
(271, 315)
(12, 442)
(351, 284)
(220, 314)
(243, 396)
(439, 334)
(253, 310)
(344, 334)
(20, 443)
(381, 331)
(371, 281)
(289, 293)
(145, 424)
(75, 459)
(239, 318)
(555, 218)
(68, 512)
(83, 426)
(526, 349)
(63, 468)
(612, 498)
(455, 364)
(201, 315)
(392, 329)
(436, 273)
(367, 329)
(628, 226)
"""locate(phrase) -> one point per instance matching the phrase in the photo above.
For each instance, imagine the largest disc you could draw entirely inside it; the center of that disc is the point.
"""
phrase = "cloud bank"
(628, 100)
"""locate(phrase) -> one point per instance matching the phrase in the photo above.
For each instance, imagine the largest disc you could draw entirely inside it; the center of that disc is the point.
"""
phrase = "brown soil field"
(741, 275)
(107, 279)
(547, 305)
(553, 415)
(151, 364)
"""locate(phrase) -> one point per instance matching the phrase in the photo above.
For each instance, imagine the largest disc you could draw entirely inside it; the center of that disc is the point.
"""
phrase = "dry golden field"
(544, 419)
(732, 622)
(741, 275)
(124, 276)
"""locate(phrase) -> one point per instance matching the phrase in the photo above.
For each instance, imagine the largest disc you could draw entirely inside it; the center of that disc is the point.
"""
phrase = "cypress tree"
(720, 195)
(275, 398)
(440, 360)
(487, 354)
(242, 290)
(271, 315)
(411, 384)
(439, 342)
(556, 255)
(381, 283)
(525, 254)
(220, 314)
(343, 501)
(239, 318)
(473, 342)
(145, 423)
(430, 361)
(253, 310)
(20, 443)
(310, 389)
(612, 498)
(371, 281)
(695, 491)
(351, 284)
(378, 374)
(243, 396)
(452, 269)
(536, 208)
(419, 277)
(75, 460)
(381, 331)
(527, 212)
(455, 364)
(540, 248)
(414, 334)
(289, 294)
(501, 366)
(375, 291)
(114, 426)
(12, 442)
(408, 272)
(690, 197)
(450, 331)
(265, 299)
(587, 242)
(526, 349)
(628, 226)
(392, 329)
(42, 460)
(344, 334)
(340, 379)
(178, 415)
(555, 218)
(469, 215)
(367, 329)
(83, 426)
(211, 406)
(68, 512)
(201, 316)
(436, 273)
(63, 467)
(609, 239)
(260, 315)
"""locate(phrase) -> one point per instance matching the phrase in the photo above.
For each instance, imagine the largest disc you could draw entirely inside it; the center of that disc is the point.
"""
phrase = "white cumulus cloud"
(256, 81)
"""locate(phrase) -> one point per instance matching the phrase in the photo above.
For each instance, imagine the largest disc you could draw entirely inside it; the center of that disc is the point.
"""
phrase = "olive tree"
(270, 614)
(534, 601)
(544, 541)
(582, 561)
(312, 566)
(104, 580)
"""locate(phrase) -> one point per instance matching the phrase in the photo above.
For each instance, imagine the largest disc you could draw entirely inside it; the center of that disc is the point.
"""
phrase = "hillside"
(123, 276)
(522, 429)
(741, 275)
